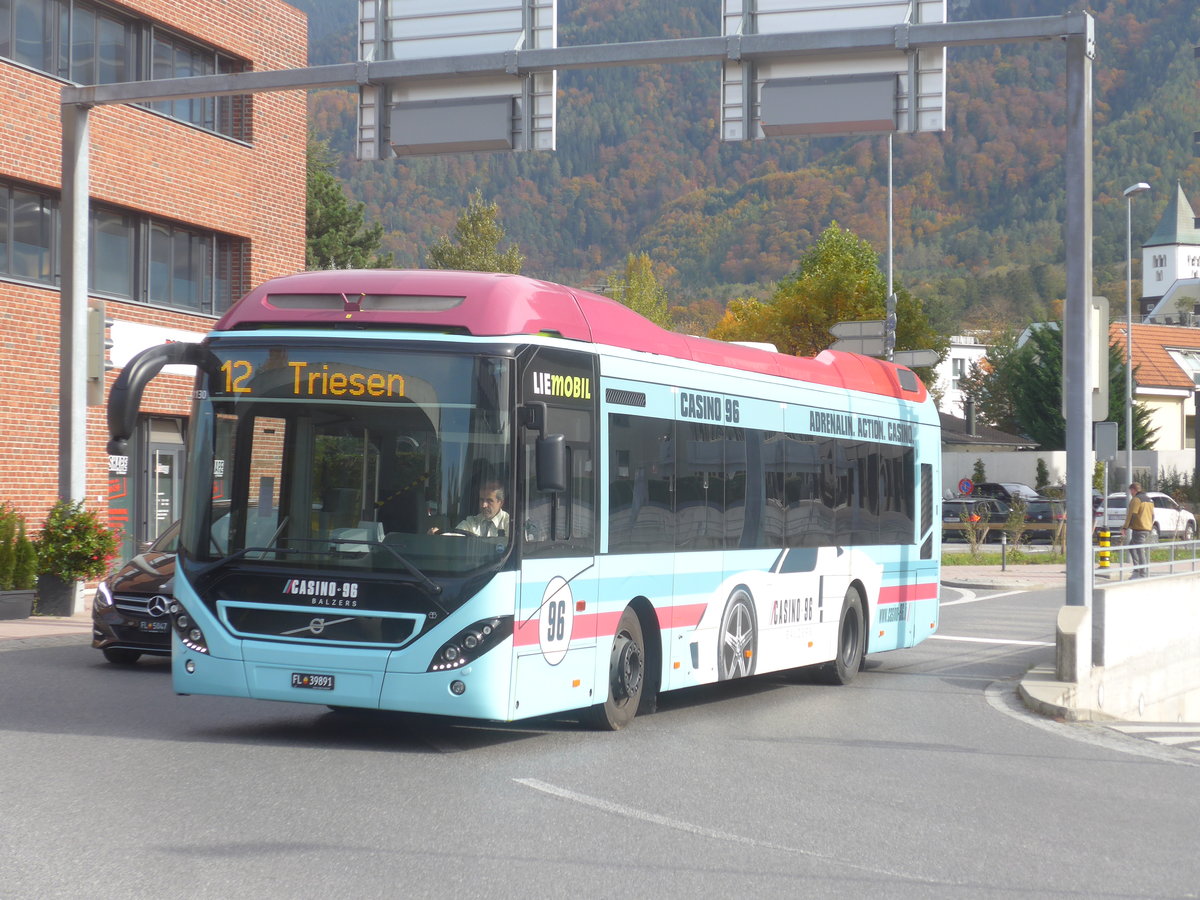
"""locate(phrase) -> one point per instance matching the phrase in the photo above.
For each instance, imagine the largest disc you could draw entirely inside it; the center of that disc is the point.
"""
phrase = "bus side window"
(563, 522)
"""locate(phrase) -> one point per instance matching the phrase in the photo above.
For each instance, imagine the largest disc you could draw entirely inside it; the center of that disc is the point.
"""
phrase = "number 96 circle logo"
(556, 620)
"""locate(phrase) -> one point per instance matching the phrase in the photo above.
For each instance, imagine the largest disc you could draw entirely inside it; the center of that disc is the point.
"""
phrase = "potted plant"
(74, 547)
(18, 566)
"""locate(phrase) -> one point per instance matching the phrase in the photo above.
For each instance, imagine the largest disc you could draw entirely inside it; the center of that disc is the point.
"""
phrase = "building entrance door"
(163, 478)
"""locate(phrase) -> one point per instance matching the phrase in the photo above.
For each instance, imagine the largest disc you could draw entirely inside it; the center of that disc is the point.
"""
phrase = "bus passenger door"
(555, 633)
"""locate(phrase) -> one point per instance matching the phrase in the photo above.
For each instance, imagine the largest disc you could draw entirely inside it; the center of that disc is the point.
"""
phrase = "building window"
(173, 57)
(28, 32)
(113, 261)
(90, 44)
(132, 257)
(181, 264)
(958, 370)
(28, 225)
(103, 47)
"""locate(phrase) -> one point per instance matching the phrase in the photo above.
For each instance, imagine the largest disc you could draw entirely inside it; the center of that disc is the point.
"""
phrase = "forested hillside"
(639, 168)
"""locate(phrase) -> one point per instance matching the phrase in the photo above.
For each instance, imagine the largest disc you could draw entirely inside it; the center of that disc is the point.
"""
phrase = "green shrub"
(1041, 480)
(8, 550)
(75, 545)
(18, 558)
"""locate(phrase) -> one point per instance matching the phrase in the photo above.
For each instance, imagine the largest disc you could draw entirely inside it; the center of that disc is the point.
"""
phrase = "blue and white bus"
(662, 511)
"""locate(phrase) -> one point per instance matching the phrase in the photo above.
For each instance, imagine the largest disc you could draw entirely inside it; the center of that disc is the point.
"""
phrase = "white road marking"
(978, 640)
(1180, 728)
(971, 597)
(1001, 697)
(655, 819)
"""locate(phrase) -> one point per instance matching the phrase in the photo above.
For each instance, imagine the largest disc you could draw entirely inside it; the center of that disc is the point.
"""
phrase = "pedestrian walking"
(1139, 522)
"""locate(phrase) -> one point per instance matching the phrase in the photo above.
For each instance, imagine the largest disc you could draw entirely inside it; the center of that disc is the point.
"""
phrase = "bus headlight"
(187, 630)
(471, 643)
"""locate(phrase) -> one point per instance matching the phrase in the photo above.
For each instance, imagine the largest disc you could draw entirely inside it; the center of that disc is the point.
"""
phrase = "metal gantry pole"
(1128, 337)
(1077, 321)
(1129, 192)
(72, 342)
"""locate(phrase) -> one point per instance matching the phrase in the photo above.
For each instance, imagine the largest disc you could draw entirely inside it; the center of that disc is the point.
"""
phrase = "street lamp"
(1129, 192)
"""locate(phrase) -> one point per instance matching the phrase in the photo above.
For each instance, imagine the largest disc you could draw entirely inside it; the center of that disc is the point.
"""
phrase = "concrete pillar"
(1073, 644)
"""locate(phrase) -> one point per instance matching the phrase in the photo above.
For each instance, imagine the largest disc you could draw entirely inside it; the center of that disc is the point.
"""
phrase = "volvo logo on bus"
(318, 625)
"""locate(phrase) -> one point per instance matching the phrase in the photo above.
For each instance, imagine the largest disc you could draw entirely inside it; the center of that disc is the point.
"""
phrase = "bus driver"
(492, 520)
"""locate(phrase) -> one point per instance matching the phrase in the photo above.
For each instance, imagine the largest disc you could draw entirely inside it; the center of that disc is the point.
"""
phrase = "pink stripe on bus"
(904, 593)
(592, 625)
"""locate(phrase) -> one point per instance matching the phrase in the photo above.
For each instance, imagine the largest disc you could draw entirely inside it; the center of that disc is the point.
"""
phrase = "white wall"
(1021, 466)
(968, 350)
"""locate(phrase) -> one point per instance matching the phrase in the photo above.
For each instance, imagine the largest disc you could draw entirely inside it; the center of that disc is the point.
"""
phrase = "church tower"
(1172, 253)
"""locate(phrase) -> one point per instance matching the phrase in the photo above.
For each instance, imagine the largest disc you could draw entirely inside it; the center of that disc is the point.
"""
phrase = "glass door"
(163, 476)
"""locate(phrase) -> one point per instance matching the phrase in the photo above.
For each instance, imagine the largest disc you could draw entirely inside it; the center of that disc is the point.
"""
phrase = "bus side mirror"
(552, 463)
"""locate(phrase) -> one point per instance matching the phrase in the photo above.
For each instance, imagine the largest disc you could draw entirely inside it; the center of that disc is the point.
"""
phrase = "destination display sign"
(305, 379)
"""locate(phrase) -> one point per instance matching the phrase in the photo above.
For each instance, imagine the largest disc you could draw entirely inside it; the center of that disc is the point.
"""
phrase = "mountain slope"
(979, 209)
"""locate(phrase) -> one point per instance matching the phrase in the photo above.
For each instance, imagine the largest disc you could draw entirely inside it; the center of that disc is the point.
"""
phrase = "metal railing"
(1165, 559)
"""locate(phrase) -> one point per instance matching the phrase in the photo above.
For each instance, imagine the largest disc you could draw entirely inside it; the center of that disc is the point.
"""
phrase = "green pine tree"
(337, 235)
(476, 243)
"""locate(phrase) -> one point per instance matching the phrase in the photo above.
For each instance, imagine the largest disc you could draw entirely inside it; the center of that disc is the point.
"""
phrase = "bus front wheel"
(850, 642)
(626, 676)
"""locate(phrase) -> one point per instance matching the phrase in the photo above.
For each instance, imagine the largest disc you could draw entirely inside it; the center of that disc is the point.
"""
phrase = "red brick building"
(192, 202)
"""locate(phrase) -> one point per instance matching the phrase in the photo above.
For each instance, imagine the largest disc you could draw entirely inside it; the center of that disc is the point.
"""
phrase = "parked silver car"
(1170, 519)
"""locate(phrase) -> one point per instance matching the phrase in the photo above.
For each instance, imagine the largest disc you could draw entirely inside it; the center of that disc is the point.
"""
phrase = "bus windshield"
(327, 457)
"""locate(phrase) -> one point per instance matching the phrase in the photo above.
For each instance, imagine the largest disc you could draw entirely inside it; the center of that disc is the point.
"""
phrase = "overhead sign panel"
(867, 346)
(780, 95)
(449, 115)
(868, 328)
(832, 105)
(915, 358)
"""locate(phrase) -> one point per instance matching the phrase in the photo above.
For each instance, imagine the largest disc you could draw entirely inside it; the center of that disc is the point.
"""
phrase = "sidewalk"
(1022, 577)
(49, 626)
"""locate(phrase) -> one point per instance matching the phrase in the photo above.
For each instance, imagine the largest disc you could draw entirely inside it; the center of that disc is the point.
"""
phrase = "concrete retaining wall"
(1145, 652)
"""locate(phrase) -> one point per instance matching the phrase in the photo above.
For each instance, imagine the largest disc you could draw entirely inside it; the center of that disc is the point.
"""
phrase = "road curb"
(52, 640)
(995, 586)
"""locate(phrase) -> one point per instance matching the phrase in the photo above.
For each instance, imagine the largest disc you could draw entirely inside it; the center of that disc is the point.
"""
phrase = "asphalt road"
(922, 779)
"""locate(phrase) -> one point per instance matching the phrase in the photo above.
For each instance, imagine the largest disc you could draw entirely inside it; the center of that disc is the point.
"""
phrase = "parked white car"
(1170, 519)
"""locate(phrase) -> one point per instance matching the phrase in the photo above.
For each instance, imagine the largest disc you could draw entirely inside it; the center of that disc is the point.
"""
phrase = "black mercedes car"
(129, 614)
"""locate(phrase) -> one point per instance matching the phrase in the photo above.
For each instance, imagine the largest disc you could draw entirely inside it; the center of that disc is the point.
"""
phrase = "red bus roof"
(490, 304)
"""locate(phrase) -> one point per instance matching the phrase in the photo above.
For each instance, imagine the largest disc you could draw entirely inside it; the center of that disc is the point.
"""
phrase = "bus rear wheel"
(626, 677)
(850, 642)
(739, 639)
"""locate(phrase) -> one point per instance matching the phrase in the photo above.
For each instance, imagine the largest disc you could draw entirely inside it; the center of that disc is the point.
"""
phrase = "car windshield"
(168, 541)
(319, 456)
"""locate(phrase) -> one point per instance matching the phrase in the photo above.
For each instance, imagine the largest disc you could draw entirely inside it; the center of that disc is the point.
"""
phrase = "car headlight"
(104, 597)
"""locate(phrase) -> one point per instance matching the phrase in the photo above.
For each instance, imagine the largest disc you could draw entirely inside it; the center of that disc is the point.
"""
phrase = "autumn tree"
(837, 280)
(476, 243)
(337, 235)
(640, 291)
(990, 382)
